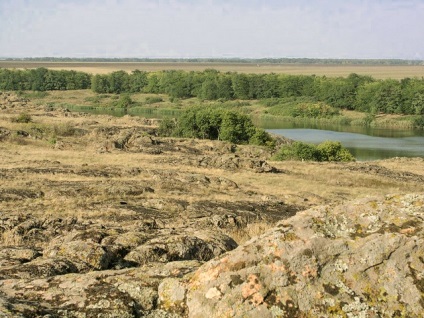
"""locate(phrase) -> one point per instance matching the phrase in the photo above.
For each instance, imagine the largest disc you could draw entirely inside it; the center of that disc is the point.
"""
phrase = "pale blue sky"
(213, 28)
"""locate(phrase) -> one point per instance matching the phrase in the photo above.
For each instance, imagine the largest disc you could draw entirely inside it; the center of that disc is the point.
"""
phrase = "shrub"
(334, 151)
(124, 101)
(166, 127)
(23, 118)
(65, 129)
(261, 137)
(236, 128)
(325, 151)
(419, 122)
(298, 151)
(153, 99)
(314, 110)
(215, 123)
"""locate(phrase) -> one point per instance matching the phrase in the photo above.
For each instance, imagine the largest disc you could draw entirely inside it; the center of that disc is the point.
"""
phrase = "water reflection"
(363, 147)
(370, 131)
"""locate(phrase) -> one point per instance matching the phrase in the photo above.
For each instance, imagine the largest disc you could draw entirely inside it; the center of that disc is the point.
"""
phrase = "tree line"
(42, 79)
(354, 92)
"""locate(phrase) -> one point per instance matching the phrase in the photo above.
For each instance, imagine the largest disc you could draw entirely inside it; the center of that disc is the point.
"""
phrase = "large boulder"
(188, 244)
(128, 293)
(360, 259)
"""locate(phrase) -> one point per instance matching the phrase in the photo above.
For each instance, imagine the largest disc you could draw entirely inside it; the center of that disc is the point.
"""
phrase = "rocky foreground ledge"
(99, 217)
(360, 259)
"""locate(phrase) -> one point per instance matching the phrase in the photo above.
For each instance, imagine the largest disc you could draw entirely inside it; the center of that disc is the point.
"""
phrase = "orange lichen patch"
(277, 268)
(309, 272)
(257, 299)
(278, 252)
(206, 276)
(251, 287)
(409, 230)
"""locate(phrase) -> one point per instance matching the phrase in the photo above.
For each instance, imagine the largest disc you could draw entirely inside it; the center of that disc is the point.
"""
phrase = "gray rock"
(21, 254)
(86, 254)
(171, 245)
(172, 295)
(360, 259)
(39, 268)
(110, 293)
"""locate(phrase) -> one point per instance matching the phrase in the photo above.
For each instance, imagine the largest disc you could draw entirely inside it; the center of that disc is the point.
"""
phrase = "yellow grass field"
(376, 71)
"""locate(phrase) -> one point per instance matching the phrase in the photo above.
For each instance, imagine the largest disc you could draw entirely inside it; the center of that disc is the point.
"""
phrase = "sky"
(359, 29)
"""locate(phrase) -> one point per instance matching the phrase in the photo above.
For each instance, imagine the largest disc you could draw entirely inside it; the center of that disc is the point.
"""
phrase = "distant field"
(377, 71)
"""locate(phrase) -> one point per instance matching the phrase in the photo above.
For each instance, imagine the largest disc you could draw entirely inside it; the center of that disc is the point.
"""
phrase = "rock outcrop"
(360, 259)
(107, 219)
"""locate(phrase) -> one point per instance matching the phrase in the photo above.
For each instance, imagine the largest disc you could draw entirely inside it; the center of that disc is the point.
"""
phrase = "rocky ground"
(99, 217)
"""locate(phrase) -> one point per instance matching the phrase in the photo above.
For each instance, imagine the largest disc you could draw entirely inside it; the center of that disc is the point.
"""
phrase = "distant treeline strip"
(42, 79)
(355, 92)
(307, 61)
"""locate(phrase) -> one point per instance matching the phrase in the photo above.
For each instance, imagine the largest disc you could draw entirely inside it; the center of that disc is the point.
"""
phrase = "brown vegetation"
(376, 71)
(100, 203)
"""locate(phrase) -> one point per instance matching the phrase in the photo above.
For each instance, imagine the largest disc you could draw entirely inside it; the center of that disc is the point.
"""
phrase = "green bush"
(419, 122)
(124, 101)
(260, 137)
(215, 123)
(166, 127)
(334, 151)
(153, 99)
(314, 110)
(298, 151)
(325, 151)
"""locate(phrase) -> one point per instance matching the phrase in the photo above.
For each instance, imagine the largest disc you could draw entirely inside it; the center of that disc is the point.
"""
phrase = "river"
(365, 144)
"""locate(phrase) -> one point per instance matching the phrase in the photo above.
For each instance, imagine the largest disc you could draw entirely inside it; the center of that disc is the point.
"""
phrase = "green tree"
(241, 86)
(236, 128)
(216, 123)
(100, 84)
(38, 79)
(224, 87)
(119, 82)
(209, 89)
(137, 81)
(333, 151)
(152, 86)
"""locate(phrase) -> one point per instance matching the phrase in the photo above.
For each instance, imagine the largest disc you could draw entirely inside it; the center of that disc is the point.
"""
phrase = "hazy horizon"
(323, 29)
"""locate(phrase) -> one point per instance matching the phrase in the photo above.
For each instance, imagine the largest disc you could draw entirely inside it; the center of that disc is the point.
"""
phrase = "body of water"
(364, 143)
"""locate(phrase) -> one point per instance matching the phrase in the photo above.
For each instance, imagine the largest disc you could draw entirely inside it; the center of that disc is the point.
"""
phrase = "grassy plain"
(376, 71)
(83, 165)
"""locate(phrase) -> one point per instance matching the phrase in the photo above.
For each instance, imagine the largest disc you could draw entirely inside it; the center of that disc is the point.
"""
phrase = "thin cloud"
(212, 28)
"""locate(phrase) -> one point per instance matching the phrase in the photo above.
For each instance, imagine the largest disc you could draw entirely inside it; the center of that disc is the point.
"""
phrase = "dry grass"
(243, 234)
(78, 180)
(381, 72)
